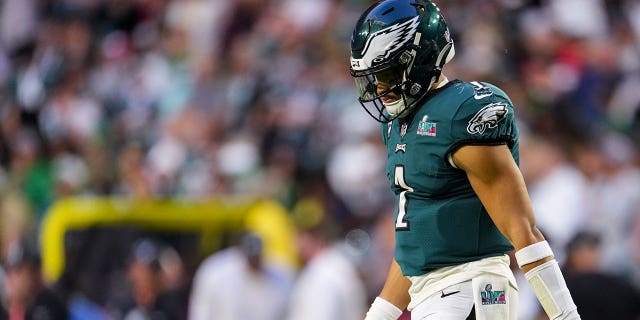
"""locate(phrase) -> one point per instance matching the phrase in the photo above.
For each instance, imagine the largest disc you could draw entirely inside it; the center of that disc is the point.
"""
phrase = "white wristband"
(533, 253)
(382, 309)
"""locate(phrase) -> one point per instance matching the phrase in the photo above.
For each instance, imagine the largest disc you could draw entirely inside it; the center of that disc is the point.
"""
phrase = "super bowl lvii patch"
(492, 297)
(426, 128)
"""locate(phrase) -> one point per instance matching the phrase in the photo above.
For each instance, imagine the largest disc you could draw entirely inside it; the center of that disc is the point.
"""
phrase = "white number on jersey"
(401, 223)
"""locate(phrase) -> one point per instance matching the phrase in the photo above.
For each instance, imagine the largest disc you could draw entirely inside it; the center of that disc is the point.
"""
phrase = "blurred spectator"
(374, 265)
(27, 296)
(589, 20)
(3, 294)
(17, 22)
(557, 190)
(238, 283)
(31, 173)
(329, 285)
(15, 218)
(611, 199)
(155, 273)
(598, 294)
(81, 308)
(347, 174)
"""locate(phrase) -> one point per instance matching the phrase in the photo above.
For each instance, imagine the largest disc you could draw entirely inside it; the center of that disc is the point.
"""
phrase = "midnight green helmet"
(398, 49)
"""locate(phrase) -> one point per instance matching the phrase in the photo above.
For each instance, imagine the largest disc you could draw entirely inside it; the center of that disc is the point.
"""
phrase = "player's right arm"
(396, 287)
(393, 298)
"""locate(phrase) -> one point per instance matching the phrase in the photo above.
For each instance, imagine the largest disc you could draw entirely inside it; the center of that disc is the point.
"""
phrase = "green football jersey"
(439, 219)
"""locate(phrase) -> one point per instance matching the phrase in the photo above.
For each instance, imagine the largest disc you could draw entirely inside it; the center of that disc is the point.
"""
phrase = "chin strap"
(446, 54)
(395, 108)
(443, 83)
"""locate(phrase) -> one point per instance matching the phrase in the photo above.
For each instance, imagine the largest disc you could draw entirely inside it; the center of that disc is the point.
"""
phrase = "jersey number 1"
(401, 222)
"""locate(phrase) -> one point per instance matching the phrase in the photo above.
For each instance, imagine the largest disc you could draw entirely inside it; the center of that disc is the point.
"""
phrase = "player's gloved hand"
(382, 309)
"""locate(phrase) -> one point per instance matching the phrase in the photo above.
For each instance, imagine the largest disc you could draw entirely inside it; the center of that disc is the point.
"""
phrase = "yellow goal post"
(209, 218)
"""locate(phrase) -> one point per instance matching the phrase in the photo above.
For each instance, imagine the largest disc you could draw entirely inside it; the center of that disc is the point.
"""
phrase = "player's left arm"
(498, 182)
(496, 179)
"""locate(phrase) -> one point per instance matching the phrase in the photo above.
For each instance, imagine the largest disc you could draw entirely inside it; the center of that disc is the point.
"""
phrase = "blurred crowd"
(208, 98)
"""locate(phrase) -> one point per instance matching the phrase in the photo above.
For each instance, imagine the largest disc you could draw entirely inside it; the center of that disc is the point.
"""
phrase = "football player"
(452, 163)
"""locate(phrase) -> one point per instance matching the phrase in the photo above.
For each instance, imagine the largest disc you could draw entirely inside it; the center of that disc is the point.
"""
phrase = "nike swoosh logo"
(480, 96)
(448, 293)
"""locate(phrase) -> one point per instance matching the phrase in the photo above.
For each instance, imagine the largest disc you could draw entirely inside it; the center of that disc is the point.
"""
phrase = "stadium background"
(166, 104)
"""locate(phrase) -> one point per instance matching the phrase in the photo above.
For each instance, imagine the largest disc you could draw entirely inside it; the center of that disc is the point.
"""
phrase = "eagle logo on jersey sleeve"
(487, 117)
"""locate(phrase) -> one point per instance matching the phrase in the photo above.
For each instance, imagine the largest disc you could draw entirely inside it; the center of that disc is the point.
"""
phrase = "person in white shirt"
(239, 284)
(329, 285)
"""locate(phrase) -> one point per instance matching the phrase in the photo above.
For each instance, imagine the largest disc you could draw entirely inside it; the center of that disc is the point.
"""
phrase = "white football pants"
(492, 296)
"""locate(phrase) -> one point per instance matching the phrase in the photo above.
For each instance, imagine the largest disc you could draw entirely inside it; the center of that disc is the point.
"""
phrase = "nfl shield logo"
(426, 128)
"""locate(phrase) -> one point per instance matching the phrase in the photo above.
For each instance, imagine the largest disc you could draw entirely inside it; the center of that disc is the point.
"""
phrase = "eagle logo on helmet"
(383, 43)
(487, 117)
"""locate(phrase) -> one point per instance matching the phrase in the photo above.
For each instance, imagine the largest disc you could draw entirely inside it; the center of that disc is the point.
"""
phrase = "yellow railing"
(209, 218)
